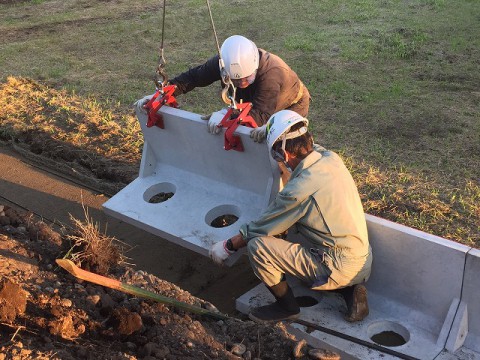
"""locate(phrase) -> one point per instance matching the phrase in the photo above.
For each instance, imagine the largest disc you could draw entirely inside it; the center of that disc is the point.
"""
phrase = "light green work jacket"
(322, 201)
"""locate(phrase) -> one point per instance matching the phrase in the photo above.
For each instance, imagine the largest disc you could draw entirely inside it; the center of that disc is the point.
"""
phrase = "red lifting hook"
(231, 122)
(160, 98)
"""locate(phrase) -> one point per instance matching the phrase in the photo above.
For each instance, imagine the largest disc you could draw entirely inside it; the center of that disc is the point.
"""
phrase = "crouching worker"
(323, 203)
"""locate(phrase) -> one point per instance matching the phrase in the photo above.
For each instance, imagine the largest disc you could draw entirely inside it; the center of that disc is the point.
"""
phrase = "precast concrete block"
(346, 349)
(471, 299)
(188, 185)
(414, 293)
(461, 354)
(416, 282)
(459, 329)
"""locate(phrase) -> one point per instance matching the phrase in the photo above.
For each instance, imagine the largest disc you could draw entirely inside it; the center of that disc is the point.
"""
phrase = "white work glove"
(212, 125)
(139, 104)
(259, 134)
(219, 252)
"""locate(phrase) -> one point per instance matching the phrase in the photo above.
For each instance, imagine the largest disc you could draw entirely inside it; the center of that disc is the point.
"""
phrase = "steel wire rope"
(160, 72)
(227, 97)
(43, 218)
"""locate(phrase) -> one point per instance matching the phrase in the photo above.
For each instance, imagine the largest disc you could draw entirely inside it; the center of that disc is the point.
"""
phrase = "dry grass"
(26, 105)
(417, 201)
(92, 249)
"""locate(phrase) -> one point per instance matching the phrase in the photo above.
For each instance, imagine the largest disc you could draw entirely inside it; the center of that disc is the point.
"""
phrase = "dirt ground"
(46, 313)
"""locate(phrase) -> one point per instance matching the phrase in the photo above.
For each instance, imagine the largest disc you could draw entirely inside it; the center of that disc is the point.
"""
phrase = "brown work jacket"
(276, 86)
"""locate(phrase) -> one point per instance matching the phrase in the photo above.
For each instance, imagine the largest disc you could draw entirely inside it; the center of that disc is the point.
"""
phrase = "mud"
(224, 220)
(47, 314)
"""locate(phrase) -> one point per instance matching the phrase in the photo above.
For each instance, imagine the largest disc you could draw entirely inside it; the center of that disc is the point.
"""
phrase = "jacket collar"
(311, 159)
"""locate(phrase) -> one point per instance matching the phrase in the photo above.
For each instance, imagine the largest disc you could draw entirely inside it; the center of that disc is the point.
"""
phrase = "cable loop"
(229, 90)
(161, 77)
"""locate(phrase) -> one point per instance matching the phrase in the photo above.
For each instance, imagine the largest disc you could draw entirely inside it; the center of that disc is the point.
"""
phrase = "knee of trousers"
(253, 245)
(256, 247)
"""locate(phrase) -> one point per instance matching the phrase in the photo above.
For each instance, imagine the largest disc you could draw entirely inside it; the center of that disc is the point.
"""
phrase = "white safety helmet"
(240, 56)
(279, 125)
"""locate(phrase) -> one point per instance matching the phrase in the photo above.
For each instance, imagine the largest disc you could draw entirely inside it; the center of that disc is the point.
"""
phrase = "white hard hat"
(240, 56)
(279, 124)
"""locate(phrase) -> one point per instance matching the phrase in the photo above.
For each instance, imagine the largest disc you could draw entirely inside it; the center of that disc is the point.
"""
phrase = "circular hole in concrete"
(224, 220)
(388, 333)
(306, 301)
(159, 193)
(222, 216)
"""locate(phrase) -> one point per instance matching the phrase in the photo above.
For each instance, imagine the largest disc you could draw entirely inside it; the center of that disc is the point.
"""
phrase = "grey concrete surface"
(206, 180)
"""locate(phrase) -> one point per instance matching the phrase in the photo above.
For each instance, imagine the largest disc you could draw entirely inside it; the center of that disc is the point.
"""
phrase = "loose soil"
(46, 313)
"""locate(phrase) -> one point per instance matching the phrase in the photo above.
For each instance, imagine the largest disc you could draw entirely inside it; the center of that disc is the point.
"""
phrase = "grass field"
(395, 83)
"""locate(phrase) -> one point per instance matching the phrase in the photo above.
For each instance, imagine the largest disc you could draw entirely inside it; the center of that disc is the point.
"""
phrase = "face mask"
(277, 156)
(246, 81)
(251, 78)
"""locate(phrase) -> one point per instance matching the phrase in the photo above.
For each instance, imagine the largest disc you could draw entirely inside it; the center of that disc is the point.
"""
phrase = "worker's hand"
(259, 134)
(219, 252)
(212, 125)
(140, 104)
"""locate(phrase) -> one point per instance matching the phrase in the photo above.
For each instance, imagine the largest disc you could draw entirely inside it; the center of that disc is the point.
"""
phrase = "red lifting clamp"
(231, 121)
(161, 97)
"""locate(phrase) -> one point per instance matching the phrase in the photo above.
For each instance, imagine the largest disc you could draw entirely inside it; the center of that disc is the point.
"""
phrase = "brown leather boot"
(357, 304)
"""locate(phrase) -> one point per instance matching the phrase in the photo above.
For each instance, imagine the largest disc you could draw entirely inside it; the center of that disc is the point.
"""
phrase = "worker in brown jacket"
(260, 77)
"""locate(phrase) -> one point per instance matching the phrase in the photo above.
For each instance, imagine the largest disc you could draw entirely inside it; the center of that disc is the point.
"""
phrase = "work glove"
(139, 104)
(212, 125)
(206, 117)
(259, 134)
(219, 252)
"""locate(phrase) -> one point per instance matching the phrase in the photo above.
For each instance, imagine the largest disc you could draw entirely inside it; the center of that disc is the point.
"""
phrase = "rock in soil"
(323, 354)
(54, 316)
(238, 349)
(13, 301)
(299, 349)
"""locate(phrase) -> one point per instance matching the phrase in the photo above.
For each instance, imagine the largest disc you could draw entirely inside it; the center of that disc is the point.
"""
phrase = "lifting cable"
(161, 73)
(165, 93)
(229, 90)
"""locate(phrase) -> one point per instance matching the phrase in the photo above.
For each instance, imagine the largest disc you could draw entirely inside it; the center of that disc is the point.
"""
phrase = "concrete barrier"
(416, 283)
(206, 182)
(463, 341)
(416, 298)
(466, 330)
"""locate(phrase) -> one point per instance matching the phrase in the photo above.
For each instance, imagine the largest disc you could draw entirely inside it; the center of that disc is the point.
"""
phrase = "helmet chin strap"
(291, 135)
(287, 166)
(284, 161)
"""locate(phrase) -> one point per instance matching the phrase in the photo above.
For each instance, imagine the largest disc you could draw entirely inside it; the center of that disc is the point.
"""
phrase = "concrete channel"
(423, 292)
